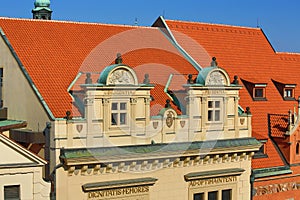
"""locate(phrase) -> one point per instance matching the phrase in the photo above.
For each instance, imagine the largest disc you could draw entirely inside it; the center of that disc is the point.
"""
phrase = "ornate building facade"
(162, 120)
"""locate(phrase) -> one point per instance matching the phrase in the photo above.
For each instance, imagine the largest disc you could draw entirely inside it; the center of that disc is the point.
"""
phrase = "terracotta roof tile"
(60, 50)
(247, 53)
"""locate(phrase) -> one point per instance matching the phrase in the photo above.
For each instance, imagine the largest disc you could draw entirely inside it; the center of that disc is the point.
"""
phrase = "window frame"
(262, 89)
(214, 109)
(218, 192)
(290, 88)
(120, 110)
(18, 187)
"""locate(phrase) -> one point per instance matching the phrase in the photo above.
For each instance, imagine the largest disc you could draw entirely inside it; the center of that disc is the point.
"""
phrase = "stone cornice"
(137, 158)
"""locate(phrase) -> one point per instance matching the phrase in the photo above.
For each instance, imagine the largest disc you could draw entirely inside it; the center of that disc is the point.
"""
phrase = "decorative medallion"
(182, 124)
(169, 119)
(155, 125)
(79, 127)
(121, 77)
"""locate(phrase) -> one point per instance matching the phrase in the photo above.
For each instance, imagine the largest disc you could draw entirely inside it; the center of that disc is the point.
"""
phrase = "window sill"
(260, 99)
(289, 99)
(260, 155)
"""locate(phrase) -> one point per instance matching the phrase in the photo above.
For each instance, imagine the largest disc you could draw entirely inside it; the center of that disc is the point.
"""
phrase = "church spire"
(42, 10)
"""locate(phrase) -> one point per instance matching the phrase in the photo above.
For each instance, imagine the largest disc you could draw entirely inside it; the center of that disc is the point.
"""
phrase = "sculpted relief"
(121, 77)
(216, 78)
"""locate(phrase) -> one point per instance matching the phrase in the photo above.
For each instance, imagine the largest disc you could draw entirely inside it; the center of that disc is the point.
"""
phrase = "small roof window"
(286, 90)
(256, 90)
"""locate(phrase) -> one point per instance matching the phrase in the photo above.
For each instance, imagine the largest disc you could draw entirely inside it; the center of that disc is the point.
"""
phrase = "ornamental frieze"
(276, 188)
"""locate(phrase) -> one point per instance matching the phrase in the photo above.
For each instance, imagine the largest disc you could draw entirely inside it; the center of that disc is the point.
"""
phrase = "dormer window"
(259, 92)
(256, 90)
(118, 113)
(287, 91)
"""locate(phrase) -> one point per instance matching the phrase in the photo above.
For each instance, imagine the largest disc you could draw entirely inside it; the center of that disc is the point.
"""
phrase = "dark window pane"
(217, 104)
(114, 119)
(262, 149)
(123, 106)
(213, 195)
(114, 106)
(12, 192)
(199, 196)
(297, 148)
(123, 118)
(217, 115)
(210, 104)
(288, 93)
(259, 92)
(210, 114)
(226, 195)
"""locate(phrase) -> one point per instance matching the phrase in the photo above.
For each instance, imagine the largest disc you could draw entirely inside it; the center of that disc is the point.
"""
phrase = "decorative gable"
(213, 76)
(118, 74)
(13, 155)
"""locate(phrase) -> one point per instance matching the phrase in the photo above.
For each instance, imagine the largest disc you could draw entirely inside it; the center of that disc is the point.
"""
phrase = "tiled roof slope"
(54, 52)
(247, 53)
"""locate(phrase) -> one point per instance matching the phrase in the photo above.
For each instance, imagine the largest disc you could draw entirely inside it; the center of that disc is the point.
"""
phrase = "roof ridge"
(207, 23)
(76, 22)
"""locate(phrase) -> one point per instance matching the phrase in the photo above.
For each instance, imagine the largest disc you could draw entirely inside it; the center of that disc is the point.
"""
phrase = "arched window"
(297, 148)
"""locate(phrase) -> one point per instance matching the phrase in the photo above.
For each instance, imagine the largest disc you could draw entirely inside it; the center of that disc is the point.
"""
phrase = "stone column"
(132, 124)
(203, 114)
(89, 112)
(106, 116)
(236, 116)
(147, 113)
(225, 117)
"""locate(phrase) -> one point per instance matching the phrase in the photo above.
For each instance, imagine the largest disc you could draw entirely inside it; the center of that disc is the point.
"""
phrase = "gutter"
(38, 94)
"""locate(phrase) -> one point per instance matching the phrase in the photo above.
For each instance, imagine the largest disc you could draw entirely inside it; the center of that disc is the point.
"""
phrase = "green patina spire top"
(42, 3)
(42, 10)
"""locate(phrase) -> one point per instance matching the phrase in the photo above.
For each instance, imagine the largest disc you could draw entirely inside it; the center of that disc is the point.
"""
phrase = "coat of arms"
(169, 119)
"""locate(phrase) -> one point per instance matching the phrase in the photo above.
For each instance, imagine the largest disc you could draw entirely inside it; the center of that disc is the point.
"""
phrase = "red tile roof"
(54, 52)
(247, 53)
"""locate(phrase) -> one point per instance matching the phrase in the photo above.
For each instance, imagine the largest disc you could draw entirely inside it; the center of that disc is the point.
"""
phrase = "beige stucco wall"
(32, 186)
(19, 97)
(170, 184)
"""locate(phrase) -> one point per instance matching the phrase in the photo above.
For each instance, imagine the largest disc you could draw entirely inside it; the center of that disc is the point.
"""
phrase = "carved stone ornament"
(216, 78)
(182, 124)
(242, 121)
(155, 125)
(121, 77)
(169, 119)
(79, 127)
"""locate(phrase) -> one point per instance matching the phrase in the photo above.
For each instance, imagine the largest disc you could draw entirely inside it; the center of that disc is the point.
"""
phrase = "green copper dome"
(42, 3)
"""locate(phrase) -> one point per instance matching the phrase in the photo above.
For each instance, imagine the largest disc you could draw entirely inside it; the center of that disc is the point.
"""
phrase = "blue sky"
(279, 19)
